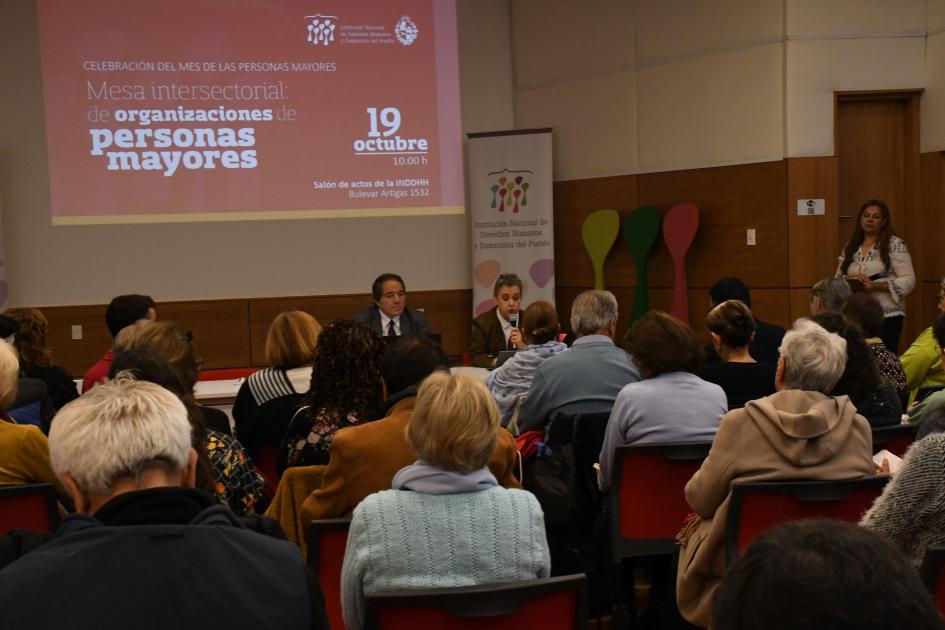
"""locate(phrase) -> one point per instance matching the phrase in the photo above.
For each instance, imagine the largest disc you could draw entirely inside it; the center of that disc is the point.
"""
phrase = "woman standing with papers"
(876, 260)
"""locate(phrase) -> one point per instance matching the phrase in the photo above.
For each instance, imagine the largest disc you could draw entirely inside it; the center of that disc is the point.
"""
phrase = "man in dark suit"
(390, 315)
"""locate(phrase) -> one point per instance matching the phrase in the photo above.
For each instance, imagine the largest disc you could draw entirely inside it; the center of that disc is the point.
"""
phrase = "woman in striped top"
(290, 346)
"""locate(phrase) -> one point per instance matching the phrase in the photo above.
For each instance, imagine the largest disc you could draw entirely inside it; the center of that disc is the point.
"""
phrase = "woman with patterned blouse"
(346, 389)
(164, 353)
(864, 310)
(877, 261)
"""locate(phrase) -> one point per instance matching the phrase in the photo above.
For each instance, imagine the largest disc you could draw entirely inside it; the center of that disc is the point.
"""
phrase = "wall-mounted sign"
(811, 207)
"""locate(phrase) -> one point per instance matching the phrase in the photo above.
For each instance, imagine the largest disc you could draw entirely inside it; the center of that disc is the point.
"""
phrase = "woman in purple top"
(671, 403)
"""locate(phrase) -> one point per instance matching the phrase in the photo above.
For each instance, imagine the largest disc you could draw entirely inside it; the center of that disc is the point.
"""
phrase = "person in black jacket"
(32, 346)
(146, 550)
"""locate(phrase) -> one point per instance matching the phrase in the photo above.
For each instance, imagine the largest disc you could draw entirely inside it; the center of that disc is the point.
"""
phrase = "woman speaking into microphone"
(876, 260)
(497, 329)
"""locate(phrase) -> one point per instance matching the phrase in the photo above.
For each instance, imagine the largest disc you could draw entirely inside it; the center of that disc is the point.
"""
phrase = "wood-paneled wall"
(792, 253)
(232, 333)
(731, 199)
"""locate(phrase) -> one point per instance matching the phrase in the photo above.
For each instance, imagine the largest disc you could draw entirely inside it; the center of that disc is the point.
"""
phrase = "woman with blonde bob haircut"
(452, 427)
(446, 522)
(290, 348)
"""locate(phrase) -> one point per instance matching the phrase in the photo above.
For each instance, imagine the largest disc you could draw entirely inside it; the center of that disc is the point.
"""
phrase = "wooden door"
(877, 144)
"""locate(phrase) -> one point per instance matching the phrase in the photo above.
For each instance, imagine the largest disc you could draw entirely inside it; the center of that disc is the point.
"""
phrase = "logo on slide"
(510, 190)
(406, 31)
(321, 29)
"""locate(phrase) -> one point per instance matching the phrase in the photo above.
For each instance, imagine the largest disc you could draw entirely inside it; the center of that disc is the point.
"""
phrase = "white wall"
(575, 72)
(655, 85)
(846, 45)
(49, 266)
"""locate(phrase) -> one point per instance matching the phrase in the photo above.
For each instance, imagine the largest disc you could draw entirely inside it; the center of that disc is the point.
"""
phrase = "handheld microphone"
(513, 319)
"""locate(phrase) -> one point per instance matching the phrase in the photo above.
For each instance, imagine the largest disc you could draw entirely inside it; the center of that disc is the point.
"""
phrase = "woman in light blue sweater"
(447, 522)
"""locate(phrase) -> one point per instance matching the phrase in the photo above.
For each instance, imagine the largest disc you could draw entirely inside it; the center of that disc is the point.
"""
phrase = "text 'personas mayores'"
(203, 148)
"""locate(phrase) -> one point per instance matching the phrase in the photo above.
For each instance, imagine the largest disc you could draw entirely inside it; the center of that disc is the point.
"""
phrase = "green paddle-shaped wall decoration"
(640, 228)
(599, 232)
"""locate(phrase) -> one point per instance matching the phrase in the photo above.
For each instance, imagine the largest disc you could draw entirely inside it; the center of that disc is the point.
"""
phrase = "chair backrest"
(327, 539)
(760, 505)
(895, 438)
(575, 442)
(933, 575)
(265, 458)
(269, 422)
(545, 604)
(31, 507)
(647, 499)
(585, 432)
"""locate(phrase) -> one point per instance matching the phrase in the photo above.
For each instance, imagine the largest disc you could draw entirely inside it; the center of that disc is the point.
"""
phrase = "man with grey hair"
(799, 432)
(587, 377)
(145, 549)
(828, 294)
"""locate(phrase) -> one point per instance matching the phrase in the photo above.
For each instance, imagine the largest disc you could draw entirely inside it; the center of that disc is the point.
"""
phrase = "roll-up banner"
(511, 213)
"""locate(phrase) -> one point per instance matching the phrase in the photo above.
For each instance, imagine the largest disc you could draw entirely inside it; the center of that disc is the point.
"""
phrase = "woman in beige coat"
(796, 433)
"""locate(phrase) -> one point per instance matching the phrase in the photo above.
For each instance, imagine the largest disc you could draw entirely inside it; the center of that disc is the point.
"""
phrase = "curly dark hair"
(31, 339)
(860, 376)
(882, 239)
(346, 370)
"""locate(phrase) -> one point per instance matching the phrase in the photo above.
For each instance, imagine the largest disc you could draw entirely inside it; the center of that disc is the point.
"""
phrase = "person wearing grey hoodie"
(796, 433)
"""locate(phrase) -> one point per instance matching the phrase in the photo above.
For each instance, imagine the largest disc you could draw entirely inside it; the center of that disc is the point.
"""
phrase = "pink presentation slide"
(194, 110)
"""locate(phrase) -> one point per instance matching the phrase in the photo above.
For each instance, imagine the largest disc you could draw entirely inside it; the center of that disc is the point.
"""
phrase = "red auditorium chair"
(647, 502)
(933, 575)
(895, 438)
(647, 508)
(327, 539)
(760, 505)
(32, 507)
(555, 603)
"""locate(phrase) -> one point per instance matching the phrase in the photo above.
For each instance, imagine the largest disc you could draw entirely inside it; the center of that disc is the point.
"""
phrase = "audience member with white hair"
(799, 432)
(141, 532)
(447, 522)
(24, 455)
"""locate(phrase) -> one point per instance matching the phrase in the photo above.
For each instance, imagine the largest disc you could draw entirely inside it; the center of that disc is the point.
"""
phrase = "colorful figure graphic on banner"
(511, 191)
(511, 215)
